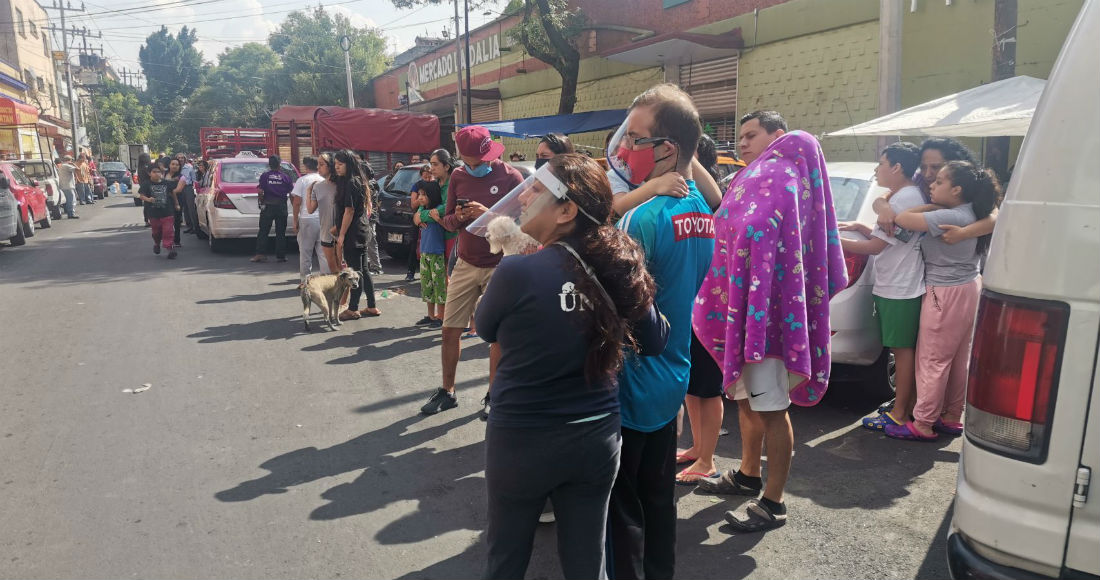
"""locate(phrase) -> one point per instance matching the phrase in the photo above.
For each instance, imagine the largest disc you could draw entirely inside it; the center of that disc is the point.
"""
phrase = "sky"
(226, 23)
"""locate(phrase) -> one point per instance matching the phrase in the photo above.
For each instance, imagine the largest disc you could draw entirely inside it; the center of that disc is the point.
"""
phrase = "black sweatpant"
(642, 516)
(272, 212)
(356, 259)
(573, 464)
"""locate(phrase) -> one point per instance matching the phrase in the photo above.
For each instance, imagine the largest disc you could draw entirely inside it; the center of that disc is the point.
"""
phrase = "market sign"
(13, 113)
(481, 52)
(59, 55)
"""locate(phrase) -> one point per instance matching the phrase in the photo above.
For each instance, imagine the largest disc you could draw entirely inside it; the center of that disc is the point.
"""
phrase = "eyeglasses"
(648, 140)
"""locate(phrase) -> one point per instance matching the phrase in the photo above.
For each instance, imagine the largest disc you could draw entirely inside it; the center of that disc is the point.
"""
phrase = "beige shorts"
(464, 289)
(766, 384)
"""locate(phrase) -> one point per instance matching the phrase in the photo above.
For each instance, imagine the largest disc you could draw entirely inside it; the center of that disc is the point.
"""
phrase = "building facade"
(821, 63)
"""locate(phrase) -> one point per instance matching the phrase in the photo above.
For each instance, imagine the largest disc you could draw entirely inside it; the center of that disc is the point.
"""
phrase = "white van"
(1023, 507)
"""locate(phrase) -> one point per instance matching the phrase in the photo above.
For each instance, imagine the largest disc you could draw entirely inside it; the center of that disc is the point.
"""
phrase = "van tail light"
(1014, 370)
(855, 264)
(222, 201)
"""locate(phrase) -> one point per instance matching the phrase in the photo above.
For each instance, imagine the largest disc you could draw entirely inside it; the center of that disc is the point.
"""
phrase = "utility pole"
(469, 85)
(345, 43)
(995, 150)
(64, 6)
(889, 63)
(458, 70)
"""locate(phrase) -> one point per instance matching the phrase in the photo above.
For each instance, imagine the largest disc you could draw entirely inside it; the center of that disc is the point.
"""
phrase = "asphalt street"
(264, 451)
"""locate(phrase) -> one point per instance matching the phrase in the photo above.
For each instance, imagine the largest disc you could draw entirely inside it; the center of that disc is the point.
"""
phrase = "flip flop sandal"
(365, 313)
(880, 422)
(683, 457)
(754, 516)
(349, 315)
(699, 476)
(950, 429)
(724, 484)
(470, 335)
(908, 432)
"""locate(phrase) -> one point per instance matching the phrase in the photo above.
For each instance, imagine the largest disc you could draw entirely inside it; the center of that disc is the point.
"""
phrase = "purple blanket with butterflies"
(777, 262)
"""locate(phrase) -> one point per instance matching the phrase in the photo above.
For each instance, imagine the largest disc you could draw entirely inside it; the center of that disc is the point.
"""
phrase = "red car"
(31, 198)
(99, 184)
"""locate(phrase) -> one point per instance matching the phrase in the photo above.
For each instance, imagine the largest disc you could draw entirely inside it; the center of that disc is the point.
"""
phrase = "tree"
(121, 116)
(308, 42)
(233, 94)
(173, 70)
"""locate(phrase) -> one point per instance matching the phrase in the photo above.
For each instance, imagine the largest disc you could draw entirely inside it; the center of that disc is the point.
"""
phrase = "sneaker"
(437, 323)
(376, 271)
(172, 255)
(424, 321)
(485, 404)
(441, 400)
(156, 249)
(410, 277)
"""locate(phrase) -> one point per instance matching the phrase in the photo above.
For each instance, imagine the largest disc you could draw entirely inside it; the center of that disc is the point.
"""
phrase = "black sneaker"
(410, 277)
(424, 321)
(441, 401)
(156, 249)
(485, 404)
(437, 323)
(172, 255)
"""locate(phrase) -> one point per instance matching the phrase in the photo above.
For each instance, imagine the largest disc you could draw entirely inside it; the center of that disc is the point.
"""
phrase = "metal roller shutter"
(485, 113)
(712, 85)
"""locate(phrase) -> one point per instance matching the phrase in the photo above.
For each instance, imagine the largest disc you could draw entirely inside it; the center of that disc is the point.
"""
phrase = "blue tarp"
(536, 127)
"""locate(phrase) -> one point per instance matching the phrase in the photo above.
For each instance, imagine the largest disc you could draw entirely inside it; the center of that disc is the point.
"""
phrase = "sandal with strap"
(349, 315)
(725, 484)
(682, 457)
(908, 432)
(754, 516)
(880, 422)
(681, 478)
(950, 429)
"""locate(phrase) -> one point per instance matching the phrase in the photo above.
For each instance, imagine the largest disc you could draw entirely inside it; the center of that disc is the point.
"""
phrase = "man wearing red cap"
(473, 189)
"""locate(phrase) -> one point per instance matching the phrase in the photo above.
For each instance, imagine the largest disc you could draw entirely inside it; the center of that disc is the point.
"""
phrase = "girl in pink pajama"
(961, 195)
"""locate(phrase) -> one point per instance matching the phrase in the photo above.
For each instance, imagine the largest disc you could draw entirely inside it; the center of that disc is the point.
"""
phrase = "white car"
(11, 226)
(45, 173)
(227, 201)
(857, 342)
(1024, 507)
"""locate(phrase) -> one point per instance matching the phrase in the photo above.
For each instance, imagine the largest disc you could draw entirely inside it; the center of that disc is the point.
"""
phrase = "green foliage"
(173, 70)
(549, 32)
(121, 116)
(313, 73)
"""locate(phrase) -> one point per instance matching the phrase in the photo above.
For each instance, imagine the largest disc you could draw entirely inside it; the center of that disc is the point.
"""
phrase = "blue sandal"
(880, 422)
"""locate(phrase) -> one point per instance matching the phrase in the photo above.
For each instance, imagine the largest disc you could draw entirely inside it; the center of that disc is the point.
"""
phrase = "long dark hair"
(176, 175)
(980, 188)
(558, 143)
(352, 178)
(616, 259)
(145, 164)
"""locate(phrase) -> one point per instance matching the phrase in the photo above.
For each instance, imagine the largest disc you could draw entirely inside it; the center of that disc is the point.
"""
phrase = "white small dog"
(505, 236)
(326, 290)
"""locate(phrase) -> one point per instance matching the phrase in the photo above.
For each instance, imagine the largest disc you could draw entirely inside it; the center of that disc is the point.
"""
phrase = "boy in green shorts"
(433, 270)
(899, 277)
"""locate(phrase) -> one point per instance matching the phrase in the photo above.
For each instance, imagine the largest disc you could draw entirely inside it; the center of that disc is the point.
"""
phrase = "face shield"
(631, 157)
(524, 202)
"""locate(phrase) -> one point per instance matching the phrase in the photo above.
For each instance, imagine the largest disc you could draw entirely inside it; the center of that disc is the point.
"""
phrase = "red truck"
(383, 136)
(221, 142)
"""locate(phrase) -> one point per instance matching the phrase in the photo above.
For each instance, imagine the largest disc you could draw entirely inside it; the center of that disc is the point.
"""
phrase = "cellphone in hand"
(461, 202)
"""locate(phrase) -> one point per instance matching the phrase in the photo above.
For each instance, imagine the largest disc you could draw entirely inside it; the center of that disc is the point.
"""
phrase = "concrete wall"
(819, 83)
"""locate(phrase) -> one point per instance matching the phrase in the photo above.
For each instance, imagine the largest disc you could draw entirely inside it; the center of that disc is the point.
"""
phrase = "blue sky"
(224, 23)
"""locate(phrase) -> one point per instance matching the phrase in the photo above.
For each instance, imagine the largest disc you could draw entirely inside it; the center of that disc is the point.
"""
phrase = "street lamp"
(345, 43)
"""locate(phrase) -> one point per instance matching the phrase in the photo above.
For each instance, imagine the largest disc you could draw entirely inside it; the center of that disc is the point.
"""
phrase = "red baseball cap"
(474, 141)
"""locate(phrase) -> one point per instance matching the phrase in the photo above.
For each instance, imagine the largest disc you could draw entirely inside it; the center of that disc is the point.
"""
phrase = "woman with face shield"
(564, 316)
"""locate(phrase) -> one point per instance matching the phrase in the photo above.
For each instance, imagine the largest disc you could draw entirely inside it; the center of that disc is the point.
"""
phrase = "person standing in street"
(274, 188)
(84, 181)
(474, 188)
(658, 137)
(187, 200)
(414, 202)
(565, 317)
(66, 180)
(442, 164)
(551, 145)
(374, 258)
(307, 224)
(353, 206)
(174, 179)
(162, 203)
(763, 311)
(433, 270)
(321, 199)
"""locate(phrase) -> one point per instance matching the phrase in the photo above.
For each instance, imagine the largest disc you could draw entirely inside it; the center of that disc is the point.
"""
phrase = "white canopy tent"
(998, 109)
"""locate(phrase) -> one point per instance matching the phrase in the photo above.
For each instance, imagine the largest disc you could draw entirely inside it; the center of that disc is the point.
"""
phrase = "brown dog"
(326, 290)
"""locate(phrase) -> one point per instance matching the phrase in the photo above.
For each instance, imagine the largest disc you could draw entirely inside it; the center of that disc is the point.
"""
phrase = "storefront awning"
(14, 113)
(536, 127)
(678, 48)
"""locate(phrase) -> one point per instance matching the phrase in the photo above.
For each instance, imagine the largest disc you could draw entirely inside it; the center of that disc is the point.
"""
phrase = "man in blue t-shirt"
(677, 235)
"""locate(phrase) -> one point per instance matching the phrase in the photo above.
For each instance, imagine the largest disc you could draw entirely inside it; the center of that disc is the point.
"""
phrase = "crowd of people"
(74, 178)
(166, 188)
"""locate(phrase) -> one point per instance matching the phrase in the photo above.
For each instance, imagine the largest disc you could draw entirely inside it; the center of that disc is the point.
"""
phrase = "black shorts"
(706, 377)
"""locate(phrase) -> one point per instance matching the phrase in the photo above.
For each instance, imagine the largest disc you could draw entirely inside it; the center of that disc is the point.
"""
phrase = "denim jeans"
(70, 201)
(277, 213)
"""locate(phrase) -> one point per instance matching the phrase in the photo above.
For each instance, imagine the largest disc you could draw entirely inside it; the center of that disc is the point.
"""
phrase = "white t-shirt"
(899, 269)
(300, 188)
(618, 184)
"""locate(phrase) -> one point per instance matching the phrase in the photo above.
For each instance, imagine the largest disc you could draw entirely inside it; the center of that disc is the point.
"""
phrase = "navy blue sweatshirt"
(533, 311)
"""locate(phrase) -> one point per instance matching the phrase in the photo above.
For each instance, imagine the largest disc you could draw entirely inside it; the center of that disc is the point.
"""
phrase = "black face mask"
(539, 163)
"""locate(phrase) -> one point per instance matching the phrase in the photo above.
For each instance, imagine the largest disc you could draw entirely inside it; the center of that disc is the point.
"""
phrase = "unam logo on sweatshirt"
(693, 225)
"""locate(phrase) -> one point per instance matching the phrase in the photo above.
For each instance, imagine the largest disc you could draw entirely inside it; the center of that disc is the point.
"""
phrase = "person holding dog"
(353, 207)
(473, 189)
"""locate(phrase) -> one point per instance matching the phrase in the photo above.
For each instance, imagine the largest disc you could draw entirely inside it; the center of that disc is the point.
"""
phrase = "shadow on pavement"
(274, 329)
(420, 395)
(935, 561)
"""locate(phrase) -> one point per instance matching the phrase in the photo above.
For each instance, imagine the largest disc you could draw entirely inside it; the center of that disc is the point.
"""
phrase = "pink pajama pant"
(164, 230)
(943, 350)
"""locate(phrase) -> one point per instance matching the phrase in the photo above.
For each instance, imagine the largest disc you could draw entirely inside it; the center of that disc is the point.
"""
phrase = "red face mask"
(640, 163)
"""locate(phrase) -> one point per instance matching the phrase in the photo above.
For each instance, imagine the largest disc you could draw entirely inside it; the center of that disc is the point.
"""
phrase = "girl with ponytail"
(962, 194)
(564, 317)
